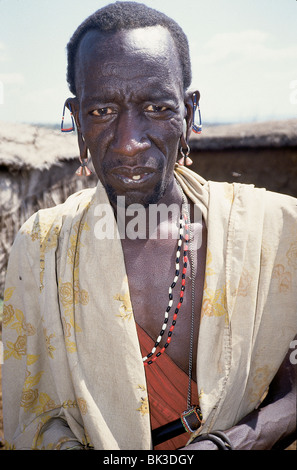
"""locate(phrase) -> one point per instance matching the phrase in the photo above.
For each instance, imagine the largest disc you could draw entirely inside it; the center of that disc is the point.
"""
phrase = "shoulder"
(282, 202)
(45, 225)
(273, 203)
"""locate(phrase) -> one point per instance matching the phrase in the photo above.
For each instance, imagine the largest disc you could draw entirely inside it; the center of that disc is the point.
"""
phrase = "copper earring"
(83, 169)
(185, 159)
(184, 149)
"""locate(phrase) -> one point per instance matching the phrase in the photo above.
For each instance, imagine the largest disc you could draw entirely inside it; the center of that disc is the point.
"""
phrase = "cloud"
(11, 78)
(2, 52)
(249, 45)
(8, 77)
(244, 74)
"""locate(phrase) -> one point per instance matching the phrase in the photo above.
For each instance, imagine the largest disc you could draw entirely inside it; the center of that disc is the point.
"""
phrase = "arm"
(272, 423)
(57, 435)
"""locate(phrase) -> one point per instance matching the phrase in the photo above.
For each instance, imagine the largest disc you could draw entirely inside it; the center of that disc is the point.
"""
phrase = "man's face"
(131, 110)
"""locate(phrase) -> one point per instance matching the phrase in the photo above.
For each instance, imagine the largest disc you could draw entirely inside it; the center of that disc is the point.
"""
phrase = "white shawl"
(70, 343)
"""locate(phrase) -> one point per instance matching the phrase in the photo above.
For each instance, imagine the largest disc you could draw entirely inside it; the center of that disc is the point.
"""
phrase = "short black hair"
(128, 15)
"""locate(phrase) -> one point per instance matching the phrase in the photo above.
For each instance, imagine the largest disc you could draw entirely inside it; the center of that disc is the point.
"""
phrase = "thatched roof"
(249, 135)
(37, 170)
(28, 147)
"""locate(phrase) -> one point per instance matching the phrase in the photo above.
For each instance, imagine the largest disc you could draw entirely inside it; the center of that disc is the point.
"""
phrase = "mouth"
(134, 176)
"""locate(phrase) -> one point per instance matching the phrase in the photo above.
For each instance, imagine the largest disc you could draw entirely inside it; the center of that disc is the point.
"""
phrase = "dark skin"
(130, 110)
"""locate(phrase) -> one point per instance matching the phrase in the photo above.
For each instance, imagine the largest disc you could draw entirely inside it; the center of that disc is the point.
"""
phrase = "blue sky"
(244, 56)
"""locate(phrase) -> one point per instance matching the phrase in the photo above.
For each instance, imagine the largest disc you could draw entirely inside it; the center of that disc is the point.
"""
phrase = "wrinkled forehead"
(150, 50)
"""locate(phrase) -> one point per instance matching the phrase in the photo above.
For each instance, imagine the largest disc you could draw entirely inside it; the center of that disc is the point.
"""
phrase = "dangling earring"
(197, 128)
(185, 159)
(69, 129)
(184, 148)
(83, 169)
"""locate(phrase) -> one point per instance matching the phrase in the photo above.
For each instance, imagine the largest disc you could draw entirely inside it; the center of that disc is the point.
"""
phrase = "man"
(86, 364)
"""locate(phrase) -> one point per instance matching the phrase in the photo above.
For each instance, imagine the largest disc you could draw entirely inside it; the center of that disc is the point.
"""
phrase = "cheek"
(166, 136)
(173, 135)
(176, 129)
(96, 141)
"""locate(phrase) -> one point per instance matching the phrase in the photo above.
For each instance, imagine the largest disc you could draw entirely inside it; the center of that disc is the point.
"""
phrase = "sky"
(244, 56)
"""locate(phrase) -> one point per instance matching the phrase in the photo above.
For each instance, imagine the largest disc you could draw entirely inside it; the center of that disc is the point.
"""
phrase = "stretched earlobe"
(67, 105)
(72, 105)
(184, 147)
(83, 169)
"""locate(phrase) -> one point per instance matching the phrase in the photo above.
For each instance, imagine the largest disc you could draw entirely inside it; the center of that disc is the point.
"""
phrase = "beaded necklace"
(190, 419)
(183, 235)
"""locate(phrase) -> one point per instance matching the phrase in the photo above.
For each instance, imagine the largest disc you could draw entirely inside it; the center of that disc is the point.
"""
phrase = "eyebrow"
(111, 94)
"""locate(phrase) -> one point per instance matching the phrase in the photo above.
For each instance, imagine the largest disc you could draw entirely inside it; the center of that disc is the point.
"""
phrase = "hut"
(37, 170)
(263, 154)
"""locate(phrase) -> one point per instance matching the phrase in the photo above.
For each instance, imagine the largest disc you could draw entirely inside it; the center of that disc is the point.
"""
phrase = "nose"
(130, 136)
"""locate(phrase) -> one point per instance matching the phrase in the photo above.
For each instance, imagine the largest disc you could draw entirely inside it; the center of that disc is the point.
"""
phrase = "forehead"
(143, 53)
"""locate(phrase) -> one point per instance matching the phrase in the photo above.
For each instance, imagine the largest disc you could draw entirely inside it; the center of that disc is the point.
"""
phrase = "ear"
(73, 105)
(190, 97)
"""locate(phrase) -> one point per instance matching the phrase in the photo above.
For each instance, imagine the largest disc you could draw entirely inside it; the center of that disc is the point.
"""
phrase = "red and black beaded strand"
(184, 227)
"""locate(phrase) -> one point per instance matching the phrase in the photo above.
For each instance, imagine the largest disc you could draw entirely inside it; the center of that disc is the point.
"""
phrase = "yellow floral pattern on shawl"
(125, 308)
(144, 405)
(70, 293)
(33, 400)
(214, 300)
(47, 235)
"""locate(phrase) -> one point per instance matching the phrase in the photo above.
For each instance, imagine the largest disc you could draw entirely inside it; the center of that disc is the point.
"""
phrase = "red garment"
(167, 391)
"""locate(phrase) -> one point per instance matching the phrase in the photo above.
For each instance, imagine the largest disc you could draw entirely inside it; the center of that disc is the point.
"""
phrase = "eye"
(152, 108)
(101, 112)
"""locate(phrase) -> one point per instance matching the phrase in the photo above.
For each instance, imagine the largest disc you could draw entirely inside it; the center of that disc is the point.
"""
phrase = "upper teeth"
(136, 177)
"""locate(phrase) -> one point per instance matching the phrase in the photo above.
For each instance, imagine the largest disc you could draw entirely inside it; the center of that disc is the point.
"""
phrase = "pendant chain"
(193, 276)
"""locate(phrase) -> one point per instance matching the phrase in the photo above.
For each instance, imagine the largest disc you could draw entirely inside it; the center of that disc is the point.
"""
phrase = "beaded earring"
(197, 128)
(83, 169)
(69, 129)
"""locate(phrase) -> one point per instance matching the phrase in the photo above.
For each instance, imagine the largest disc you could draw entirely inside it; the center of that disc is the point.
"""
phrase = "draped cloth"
(71, 349)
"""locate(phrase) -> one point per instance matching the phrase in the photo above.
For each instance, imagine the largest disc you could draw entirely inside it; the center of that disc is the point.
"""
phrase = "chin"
(137, 197)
